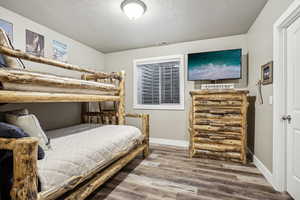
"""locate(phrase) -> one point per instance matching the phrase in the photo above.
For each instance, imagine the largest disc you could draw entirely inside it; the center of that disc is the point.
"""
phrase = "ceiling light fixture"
(134, 9)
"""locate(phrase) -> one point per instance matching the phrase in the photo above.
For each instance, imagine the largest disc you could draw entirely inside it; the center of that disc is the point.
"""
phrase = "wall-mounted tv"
(216, 65)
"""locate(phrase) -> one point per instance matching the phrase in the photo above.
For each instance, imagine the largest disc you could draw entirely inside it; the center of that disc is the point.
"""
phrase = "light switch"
(270, 100)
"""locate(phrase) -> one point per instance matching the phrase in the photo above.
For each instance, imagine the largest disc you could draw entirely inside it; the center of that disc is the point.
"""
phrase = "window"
(159, 83)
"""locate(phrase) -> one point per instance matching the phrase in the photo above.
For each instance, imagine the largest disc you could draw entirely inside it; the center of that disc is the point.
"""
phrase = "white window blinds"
(158, 83)
(169, 77)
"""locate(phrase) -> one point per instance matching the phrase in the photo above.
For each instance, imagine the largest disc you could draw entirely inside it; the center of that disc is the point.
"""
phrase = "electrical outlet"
(270, 100)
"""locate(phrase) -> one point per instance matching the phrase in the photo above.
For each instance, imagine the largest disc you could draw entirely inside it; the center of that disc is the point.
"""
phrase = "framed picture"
(8, 28)
(267, 73)
(35, 43)
(60, 51)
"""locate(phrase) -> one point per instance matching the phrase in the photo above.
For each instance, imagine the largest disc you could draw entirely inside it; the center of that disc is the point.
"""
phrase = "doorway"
(286, 115)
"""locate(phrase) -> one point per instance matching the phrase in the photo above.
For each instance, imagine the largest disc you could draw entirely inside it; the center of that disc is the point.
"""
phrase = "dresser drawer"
(217, 143)
(232, 156)
(218, 129)
(213, 116)
(218, 122)
(214, 147)
(219, 97)
(219, 110)
(219, 100)
(212, 139)
(217, 136)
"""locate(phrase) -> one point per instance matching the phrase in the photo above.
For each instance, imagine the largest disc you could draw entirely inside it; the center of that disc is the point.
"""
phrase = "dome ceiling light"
(134, 9)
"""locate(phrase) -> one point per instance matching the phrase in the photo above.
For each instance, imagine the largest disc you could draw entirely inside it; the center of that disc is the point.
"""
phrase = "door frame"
(279, 93)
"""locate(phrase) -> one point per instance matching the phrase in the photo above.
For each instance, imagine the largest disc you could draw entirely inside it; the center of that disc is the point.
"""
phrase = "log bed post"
(121, 106)
(145, 129)
(25, 167)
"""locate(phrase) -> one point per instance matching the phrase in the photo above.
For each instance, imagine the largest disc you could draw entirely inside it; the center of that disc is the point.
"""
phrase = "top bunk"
(19, 85)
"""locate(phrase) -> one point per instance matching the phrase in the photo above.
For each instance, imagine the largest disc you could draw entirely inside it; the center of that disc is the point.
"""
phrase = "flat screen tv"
(216, 65)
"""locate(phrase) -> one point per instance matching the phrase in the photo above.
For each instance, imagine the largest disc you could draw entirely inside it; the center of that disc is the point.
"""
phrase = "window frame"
(154, 60)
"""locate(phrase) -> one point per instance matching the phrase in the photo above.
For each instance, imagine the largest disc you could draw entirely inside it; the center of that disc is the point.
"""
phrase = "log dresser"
(218, 124)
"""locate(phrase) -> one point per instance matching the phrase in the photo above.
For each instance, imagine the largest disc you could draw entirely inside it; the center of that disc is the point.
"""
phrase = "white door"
(293, 109)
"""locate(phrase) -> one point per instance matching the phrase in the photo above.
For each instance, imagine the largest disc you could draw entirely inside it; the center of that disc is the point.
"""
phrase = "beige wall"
(168, 124)
(260, 44)
(57, 114)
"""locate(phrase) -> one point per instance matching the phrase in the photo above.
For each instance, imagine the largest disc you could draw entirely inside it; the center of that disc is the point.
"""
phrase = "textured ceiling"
(102, 25)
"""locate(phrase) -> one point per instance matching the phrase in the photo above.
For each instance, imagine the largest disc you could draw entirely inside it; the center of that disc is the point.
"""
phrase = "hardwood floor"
(169, 174)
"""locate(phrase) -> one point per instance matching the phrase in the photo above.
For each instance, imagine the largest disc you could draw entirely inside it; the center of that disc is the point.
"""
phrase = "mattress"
(83, 86)
(48, 89)
(78, 153)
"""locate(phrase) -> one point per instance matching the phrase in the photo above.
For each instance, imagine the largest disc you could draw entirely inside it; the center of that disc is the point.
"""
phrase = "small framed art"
(267, 73)
(8, 28)
(35, 43)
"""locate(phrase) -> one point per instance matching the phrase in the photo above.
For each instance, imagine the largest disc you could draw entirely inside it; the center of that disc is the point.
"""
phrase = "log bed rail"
(25, 149)
(25, 56)
(43, 97)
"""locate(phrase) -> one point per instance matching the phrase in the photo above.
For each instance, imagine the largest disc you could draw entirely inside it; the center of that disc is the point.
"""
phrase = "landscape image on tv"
(217, 65)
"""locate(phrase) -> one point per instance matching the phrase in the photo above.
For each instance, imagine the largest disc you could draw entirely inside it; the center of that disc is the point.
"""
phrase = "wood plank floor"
(169, 174)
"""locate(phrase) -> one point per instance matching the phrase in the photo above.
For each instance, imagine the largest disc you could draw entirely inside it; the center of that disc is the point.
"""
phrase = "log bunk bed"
(90, 89)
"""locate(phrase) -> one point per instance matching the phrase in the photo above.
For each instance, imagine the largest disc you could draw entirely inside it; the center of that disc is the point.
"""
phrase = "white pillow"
(31, 126)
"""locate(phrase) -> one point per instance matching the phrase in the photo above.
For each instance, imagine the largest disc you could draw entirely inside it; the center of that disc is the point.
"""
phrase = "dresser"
(218, 124)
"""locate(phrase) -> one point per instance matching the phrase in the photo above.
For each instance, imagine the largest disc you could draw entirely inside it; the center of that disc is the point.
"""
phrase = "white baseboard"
(263, 169)
(179, 143)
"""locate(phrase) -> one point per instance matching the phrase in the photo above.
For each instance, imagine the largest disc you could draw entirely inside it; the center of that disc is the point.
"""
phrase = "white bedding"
(48, 89)
(78, 153)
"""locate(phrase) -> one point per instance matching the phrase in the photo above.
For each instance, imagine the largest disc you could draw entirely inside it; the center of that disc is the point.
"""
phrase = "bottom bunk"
(80, 159)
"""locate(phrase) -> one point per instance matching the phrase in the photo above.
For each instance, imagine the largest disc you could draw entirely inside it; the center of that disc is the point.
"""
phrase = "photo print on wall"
(8, 28)
(35, 43)
(267, 73)
(60, 51)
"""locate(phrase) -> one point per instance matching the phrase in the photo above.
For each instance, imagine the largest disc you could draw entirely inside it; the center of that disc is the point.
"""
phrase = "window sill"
(159, 107)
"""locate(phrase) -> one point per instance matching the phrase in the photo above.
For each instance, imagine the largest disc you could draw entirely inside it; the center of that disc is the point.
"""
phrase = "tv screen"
(217, 65)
